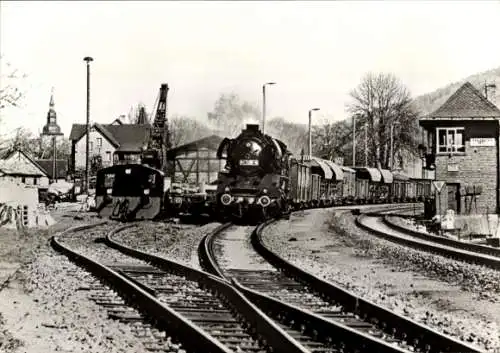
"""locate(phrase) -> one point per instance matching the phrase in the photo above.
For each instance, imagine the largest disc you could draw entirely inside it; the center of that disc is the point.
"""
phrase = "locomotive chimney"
(253, 127)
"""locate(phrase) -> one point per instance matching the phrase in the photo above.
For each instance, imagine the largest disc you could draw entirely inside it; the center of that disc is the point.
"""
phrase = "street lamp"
(87, 59)
(310, 132)
(264, 104)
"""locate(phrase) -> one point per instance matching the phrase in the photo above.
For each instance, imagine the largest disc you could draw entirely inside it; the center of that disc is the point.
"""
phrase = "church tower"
(51, 128)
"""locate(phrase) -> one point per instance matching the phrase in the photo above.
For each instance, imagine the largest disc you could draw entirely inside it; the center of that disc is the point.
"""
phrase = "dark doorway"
(453, 197)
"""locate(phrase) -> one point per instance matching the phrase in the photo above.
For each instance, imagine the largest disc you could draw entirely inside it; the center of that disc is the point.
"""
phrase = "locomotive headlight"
(239, 199)
(109, 191)
(251, 200)
(264, 201)
(264, 191)
(226, 189)
(226, 199)
(146, 191)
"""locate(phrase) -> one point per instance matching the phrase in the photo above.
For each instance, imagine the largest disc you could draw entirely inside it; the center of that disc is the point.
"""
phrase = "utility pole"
(354, 141)
(391, 157)
(88, 59)
(264, 104)
(366, 145)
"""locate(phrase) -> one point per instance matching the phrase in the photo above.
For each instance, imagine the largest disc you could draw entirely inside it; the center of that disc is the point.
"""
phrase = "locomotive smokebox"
(252, 127)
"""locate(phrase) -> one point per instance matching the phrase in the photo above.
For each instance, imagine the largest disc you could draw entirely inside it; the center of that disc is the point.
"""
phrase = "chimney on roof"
(490, 91)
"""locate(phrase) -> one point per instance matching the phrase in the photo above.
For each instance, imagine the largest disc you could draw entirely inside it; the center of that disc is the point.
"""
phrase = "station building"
(463, 148)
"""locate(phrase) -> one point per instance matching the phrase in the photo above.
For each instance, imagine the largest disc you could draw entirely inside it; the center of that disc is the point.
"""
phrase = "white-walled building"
(113, 142)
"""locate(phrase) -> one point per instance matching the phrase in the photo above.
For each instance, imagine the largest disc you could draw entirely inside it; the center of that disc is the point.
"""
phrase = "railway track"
(378, 224)
(322, 316)
(200, 312)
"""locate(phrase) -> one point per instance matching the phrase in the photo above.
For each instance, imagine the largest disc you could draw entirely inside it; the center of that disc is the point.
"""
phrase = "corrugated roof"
(327, 172)
(466, 103)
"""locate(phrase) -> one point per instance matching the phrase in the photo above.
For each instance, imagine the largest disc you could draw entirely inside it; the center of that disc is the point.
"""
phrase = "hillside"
(429, 102)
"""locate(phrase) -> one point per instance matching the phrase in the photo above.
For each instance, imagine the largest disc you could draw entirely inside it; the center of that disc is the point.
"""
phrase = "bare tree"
(185, 129)
(230, 113)
(138, 114)
(381, 101)
(331, 139)
(10, 92)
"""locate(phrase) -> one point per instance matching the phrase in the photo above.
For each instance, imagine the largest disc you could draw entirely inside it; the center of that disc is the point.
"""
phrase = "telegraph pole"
(88, 59)
(366, 145)
(354, 141)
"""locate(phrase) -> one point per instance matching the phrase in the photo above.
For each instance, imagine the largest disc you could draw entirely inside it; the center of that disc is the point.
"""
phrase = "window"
(91, 146)
(99, 142)
(450, 140)
(23, 180)
(35, 181)
(108, 156)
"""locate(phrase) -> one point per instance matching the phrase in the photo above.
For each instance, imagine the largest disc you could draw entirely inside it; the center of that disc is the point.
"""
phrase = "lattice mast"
(159, 141)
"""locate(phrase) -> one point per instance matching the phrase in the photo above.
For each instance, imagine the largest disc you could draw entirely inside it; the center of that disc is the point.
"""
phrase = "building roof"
(466, 103)
(211, 142)
(125, 137)
(12, 167)
(61, 167)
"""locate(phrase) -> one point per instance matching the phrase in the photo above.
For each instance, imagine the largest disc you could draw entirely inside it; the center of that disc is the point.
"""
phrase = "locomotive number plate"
(251, 162)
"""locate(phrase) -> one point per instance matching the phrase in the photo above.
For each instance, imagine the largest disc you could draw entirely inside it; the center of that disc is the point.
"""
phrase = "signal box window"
(450, 140)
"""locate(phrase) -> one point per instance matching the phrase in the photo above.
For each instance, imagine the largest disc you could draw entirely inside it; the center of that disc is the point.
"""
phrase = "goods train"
(262, 179)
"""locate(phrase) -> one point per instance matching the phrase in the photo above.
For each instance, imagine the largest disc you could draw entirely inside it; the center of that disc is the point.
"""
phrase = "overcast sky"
(315, 51)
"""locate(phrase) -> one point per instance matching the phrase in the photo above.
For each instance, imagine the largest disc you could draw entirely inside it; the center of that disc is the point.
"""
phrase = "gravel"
(178, 242)
(46, 311)
(456, 298)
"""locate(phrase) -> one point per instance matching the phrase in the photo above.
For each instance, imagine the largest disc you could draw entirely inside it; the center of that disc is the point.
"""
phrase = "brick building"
(463, 141)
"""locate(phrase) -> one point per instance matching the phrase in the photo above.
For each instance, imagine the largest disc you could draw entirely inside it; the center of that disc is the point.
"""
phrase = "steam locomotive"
(263, 179)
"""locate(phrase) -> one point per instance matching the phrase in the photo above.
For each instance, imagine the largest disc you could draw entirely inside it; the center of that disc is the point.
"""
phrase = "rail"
(487, 250)
(191, 336)
(309, 322)
(267, 330)
(430, 245)
(403, 328)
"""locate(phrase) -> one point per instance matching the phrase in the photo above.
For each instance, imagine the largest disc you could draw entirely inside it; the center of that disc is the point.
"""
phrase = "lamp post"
(264, 104)
(366, 145)
(310, 132)
(88, 60)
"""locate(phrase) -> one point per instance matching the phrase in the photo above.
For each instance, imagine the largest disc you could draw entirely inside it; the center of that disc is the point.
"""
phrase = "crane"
(155, 154)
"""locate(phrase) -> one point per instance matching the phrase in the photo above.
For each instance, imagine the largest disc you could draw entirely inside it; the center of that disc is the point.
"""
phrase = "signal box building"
(463, 147)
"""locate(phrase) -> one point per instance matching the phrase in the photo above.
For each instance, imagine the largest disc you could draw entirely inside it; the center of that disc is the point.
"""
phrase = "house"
(115, 143)
(48, 166)
(18, 166)
(463, 147)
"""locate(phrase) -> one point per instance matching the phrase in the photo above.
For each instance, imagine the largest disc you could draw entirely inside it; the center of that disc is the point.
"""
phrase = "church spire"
(51, 104)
